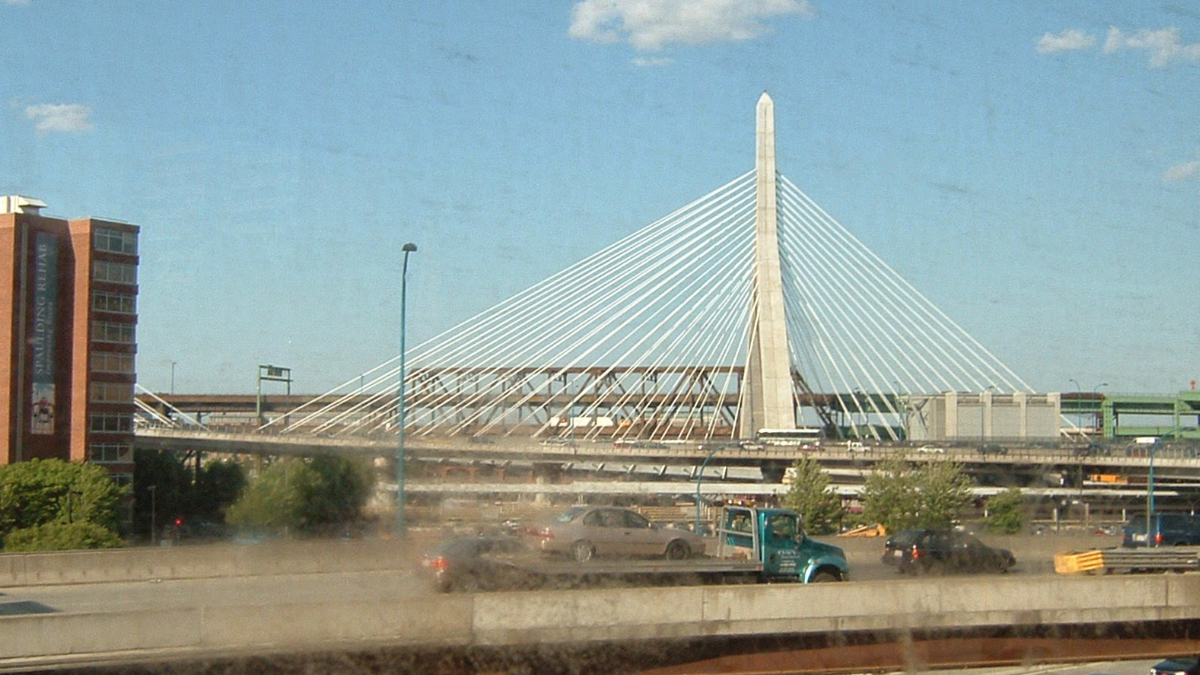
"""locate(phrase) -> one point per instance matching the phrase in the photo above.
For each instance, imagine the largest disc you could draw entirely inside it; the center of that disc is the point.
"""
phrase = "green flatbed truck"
(753, 545)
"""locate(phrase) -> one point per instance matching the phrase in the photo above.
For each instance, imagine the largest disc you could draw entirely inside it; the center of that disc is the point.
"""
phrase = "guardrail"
(1177, 559)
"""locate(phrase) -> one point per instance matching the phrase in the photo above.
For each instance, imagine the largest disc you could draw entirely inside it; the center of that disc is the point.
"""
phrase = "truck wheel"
(582, 551)
(823, 577)
(678, 550)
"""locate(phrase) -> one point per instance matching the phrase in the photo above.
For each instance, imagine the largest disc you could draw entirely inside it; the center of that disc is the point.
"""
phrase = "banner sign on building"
(45, 311)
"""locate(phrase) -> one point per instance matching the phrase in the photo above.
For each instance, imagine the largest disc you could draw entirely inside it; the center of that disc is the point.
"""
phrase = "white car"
(931, 450)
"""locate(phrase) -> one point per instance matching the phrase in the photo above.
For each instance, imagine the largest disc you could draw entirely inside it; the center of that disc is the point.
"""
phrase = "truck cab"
(776, 539)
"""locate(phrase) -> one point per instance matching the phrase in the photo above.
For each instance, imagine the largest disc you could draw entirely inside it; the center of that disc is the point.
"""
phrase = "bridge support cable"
(172, 420)
(646, 284)
(842, 318)
(450, 345)
(545, 300)
(917, 341)
(870, 331)
(598, 305)
(643, 301)
(983, 359)
(623, 282)
(337, 398)
(716, 325)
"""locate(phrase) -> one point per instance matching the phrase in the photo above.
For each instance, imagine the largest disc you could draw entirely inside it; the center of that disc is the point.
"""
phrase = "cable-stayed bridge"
(750, 308)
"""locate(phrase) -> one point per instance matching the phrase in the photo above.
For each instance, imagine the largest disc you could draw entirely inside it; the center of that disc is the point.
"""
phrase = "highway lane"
(266, 591)
(1034, 555)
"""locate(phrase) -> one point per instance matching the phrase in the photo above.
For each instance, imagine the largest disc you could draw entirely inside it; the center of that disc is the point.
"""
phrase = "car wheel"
(468, 584)
(678, 550)
(582, 551)
(823, 577)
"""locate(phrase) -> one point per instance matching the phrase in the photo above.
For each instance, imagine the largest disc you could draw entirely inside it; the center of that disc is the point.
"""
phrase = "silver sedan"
(586, 531)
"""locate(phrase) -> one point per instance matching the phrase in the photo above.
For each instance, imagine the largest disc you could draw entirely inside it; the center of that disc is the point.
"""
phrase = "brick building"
(68, 337)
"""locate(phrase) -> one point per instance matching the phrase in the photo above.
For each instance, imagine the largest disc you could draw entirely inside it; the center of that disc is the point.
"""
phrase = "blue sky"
(1033, 168)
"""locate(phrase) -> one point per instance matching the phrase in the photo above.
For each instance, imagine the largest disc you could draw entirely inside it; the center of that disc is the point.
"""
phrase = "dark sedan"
(1179, 666)
(929, 550)
(468, 564)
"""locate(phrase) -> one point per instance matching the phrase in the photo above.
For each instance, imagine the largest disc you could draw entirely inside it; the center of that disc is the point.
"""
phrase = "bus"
(804, 436)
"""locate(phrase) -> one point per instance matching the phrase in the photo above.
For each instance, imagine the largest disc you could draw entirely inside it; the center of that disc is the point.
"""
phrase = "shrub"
(61, 536)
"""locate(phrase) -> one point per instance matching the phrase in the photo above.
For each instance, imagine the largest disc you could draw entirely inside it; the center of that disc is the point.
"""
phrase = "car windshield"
(570, 514)
(905, 537)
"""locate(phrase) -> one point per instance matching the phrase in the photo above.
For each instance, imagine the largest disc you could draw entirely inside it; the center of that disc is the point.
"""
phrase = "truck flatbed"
(624, 567)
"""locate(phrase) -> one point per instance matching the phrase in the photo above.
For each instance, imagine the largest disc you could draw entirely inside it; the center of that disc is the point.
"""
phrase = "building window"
(110, 453)
(115, 241)
(111, 392)
(117, 303)
(114, 272)
(122, 479)
(107, 331)
(110, 362)
(110, 423)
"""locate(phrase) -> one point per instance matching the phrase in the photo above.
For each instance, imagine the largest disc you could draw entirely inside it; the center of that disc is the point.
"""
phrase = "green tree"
(61, 536)
(307, 495)
(172, 489)
(944, 491)
(270, 500)
(44, 491)
(889, 495)
(334, 492)
(900, 495)
(178, 492)
(217, 486)
(1005, 512)
(811, 497)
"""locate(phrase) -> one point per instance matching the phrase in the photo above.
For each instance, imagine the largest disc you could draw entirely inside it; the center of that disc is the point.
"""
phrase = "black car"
(1180, 666)
(928, 550)
(992, 449)
(469, 564)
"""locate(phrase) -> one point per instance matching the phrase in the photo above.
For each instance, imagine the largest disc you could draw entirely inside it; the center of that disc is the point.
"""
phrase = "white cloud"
(1182, 171)
(16, 2)
(1164, 46)
(66, 117)
(650, 25)
(651, 61)
(1066, 41)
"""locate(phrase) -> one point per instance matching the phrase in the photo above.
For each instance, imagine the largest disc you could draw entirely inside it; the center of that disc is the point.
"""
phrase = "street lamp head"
(409, 247)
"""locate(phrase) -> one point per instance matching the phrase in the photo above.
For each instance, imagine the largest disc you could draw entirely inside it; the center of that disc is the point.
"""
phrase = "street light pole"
(1078, 407)
(407, 248)
(699, 480)
(1095, 396)
(173, 378)
(1150, 483)
(153, 519)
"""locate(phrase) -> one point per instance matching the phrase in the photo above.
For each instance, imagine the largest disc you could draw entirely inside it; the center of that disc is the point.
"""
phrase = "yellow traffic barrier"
(866, 531)
(1076, 563)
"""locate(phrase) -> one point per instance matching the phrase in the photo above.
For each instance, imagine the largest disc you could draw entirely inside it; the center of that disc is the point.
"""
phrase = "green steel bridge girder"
(1174, 411)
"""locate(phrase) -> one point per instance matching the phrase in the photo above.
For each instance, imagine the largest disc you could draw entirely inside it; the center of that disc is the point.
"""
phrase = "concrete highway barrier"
(264, 626)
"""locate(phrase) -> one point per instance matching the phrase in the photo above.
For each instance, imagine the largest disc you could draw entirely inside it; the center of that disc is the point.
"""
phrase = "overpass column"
(545, 474)
(767, 393)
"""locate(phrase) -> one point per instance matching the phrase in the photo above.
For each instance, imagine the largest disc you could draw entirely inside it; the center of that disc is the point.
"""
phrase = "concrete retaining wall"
(190, 562)
(896, 605)
(589, 616)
